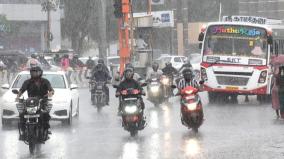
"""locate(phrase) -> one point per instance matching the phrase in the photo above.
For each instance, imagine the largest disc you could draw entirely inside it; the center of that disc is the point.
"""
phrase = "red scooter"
(191, 108)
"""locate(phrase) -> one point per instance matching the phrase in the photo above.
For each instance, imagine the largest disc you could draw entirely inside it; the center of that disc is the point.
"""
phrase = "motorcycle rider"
(129, 82)
(186, 65)
(188, 80)
(39, 87)
(44, 62)
(155, 73)
(33, 62)
(90, 64)
(101, 61)
(102, 76)
(169, 70)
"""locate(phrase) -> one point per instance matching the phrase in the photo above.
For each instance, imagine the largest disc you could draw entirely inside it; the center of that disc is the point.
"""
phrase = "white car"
(177, 61)
(195, 60)
(65, 102)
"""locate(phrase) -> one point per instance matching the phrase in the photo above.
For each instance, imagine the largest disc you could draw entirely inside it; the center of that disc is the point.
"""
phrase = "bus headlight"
(262, 77)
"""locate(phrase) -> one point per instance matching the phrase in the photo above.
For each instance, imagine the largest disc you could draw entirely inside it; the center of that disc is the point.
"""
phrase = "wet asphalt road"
(244, 131)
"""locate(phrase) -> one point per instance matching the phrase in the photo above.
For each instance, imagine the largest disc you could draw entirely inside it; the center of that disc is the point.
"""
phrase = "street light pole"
(48, 29)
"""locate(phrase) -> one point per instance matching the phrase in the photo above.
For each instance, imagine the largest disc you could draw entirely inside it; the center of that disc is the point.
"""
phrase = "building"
(263, 8)
(29, 26)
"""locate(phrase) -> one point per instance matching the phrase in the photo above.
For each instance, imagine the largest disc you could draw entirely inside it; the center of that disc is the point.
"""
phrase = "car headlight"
(154, 89)
(131, 109)
(32, 110)
(191, 106)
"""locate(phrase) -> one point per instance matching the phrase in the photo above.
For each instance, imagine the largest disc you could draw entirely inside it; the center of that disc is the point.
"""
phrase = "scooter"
(154, 91)
(191, 108)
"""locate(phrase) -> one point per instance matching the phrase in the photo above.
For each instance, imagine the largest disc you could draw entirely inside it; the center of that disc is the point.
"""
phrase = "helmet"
(101, 61)
(76, 56)
(66, 56)
(36, 72)
(129, 66)
(33, 56)
(99, 67)
(155, 66)
(187, 74)
(168, 64)
(128, 74)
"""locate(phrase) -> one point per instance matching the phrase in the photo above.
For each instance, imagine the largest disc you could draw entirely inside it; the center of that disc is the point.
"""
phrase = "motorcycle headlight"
(130, 109)
(191, 106)
(32, 110)
(154, 89)
(165, 81)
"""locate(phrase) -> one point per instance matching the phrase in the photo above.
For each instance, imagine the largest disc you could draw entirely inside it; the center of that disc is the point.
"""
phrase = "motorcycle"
(154, 91)
(98, 94)
(166, 82)
(132, 113)
(34, 133)
(191, 108)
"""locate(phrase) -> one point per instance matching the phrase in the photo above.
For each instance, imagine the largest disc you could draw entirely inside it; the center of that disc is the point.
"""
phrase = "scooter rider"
(127, 83)
(39, 87)
(188, 80)
(185, 65)
(155, 73)
(169, 70)
(101, 76)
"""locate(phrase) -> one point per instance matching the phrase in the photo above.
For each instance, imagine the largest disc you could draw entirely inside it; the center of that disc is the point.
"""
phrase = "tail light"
(203, 74)
(262, 77)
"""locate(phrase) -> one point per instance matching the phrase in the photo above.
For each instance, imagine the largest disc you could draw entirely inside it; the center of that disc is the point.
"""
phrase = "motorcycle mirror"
(143, 84)
(173, 86)
(15, 91)
(201, 82)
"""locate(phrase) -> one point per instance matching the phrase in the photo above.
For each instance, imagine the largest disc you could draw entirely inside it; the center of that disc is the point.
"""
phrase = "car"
(65, 102)
(113, 63)
(85, 59)
(195, 60)
(177, 61)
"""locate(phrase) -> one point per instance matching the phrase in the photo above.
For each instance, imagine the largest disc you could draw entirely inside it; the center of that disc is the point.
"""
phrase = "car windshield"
(113, 61)
(230, 40)
(56, 80)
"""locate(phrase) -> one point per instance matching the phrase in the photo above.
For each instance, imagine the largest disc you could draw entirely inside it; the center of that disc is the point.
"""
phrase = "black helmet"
(155, 66)
(187, 74)
(101, 61)
(128, 74)
(33, 56)
(36, 72)
(168, 64)
(129, 66)
(99, 67)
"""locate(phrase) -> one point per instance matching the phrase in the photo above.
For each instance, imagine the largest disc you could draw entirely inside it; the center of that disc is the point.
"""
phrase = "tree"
(77, 22)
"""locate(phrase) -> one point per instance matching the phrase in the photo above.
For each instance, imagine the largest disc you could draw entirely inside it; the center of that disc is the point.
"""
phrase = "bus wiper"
(217, 61)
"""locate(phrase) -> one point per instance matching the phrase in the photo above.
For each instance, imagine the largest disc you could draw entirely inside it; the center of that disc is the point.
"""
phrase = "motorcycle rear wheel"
(32, 147)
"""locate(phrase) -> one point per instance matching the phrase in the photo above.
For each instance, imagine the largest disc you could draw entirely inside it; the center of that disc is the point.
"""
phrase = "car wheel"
(5, 123)
(68, 122)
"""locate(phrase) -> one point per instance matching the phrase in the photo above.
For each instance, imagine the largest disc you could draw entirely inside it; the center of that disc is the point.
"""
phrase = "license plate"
(232, 88)
(32, 116)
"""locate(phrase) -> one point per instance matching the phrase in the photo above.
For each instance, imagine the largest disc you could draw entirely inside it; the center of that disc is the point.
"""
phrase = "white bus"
(236, 60)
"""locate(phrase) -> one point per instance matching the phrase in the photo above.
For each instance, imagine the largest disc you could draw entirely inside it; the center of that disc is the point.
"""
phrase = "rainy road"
(247, 130)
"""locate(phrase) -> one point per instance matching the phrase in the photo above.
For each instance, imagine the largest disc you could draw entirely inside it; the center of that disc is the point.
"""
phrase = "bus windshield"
(236, 40)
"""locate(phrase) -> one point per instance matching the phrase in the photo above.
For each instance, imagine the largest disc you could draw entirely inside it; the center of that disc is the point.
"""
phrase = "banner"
(158, 2)
(251, 19)
(161, 19)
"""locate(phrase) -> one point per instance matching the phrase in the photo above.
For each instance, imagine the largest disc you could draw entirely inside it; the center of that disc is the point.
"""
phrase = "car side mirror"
(73, 86)
(115, 86)
(5, 86)
(15, 91)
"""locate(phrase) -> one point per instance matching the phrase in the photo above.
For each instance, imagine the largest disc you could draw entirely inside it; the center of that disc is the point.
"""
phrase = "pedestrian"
(275, 96)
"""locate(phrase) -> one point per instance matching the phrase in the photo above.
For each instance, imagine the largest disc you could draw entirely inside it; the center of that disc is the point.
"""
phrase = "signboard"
(161, 19)
(237, 30)
(158, 2)
(251, 19)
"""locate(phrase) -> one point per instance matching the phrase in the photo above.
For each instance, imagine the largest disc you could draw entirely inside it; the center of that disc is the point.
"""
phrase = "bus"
(236, 60)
